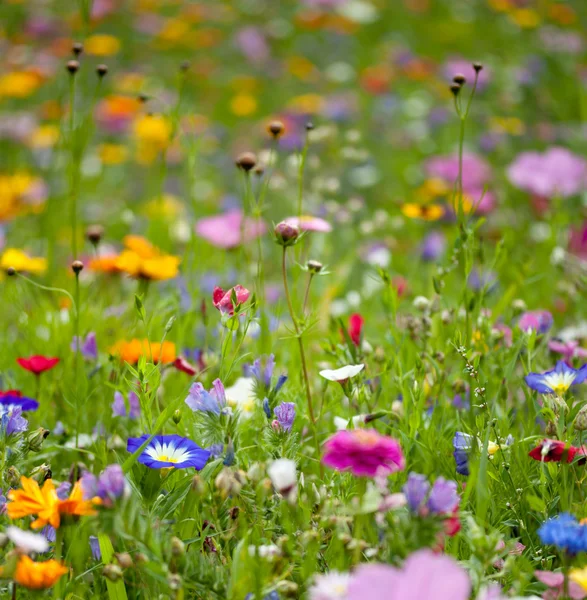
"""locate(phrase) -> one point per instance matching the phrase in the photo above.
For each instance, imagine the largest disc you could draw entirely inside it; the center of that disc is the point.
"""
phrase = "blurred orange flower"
(142, 260)
(38, 575)
(131, 351)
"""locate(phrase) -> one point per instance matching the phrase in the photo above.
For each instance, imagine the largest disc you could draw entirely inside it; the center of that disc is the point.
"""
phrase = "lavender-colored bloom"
(216, 450)
(569, 349)
(280, 381)
(262, 374)
(49, 532)
(479, 280)
(3, 501)
(12, 421)
(111, 483)
(63, 490)
(433, 246)
(89, 485)
(538, 320)
(88, 348)
(9, 401)
(285, 414)
(95, 548)
(416, 489)
(252, 44)
(462, 444)
(267, 408)
(119, 406)
(211, 402)
(443, 497)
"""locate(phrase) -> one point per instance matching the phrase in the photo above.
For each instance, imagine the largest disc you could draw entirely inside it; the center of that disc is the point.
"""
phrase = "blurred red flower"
(37, 364)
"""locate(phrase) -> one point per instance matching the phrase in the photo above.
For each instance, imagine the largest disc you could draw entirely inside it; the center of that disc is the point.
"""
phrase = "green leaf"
(116, 589)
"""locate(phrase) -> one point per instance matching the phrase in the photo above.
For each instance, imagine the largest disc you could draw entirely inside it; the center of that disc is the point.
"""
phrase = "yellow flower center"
(165, 458)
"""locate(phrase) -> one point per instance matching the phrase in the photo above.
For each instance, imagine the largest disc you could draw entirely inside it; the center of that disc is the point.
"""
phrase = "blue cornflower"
(462, 444)
(558, 380)
(211, 402)
(165, 451)
(564, 532)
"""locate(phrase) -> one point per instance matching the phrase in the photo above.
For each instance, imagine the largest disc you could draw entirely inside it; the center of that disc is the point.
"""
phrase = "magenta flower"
(223, 299)
(556, 172)
(555, 584)
(226, 231)
(537, 320)
(424, 576)
(569, 350)
(309, 223)
(363, 452)
(465, 67)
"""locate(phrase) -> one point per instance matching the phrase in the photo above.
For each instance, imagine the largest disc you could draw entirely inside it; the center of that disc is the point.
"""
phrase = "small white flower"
(331, 586)
(268, 551)
(27, 541)
(342, 374)
(341, 423)
(421, 303)
(283, 475)
(241, 395)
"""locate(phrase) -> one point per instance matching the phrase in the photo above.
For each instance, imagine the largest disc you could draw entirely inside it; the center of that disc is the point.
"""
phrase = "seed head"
(72, 66)
(11, 271)
(314, 266)
(477, 66)
(276, 128)
(101, 70)
(459, 78)
(309, 126)
(94, 234)
(77, 266)
(455, 88)
(77, 48)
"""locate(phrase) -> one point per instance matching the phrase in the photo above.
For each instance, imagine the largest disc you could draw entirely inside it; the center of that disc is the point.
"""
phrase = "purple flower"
(12, 421)
(416, 489)
(119, 406)
(95, 548)
(89, 347)
(433, 246)
(443, 497)
(479, 280)
(557, 380)
(460, 65)
(556, 172)
(538, 320)
(109, 486)
(285, 414)
(216, 450)
(211, 402)
(63, 490)
(424, 576)
(252, 44)
(49, 532)
(569, 350)
(462, 444)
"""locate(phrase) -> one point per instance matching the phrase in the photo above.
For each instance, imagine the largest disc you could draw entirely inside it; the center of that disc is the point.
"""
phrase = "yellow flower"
(153, 134)
(19, 84)
(22, 262)
(38, 575)
(525, 18)
(131, 351)
(101, 45)
(307, 103)
(434, 187)
(168, 207)
(174, 30)
(579, 576)
(300, 67)
(143, 260)
(243, 105)
(45, 136)
(112, 154)
(45, 504)
(427, 212)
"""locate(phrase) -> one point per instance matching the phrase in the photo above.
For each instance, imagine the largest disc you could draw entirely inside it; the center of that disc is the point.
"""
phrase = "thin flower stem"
(74, 167)
(307, 294)
(302, 354)
(76, 368)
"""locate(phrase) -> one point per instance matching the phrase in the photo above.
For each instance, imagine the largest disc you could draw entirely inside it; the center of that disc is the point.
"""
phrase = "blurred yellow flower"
(101, 45)
(153, 135)
(243, 105)
(168, 206)
(112, 154)
(579, 576)
(174, 30)
(510, 125)
(300, 67)
(525, 18)
(20, 193)
(426, 212)
(307, 103)
(19, 84)
(22, 262)
(142, 260)
(433, 188)
(44, 136)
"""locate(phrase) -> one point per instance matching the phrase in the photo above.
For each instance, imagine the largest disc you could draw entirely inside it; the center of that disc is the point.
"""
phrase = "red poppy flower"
(37, 364)
(16, 393)
(356, 323)
(555, 451)
(181, 364)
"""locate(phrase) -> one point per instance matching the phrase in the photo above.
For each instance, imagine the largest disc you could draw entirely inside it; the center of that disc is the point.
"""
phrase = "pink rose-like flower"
(309, 223)
(223, 299)
(424, 576)
(363, 452)
(226, 231)
(556, 172)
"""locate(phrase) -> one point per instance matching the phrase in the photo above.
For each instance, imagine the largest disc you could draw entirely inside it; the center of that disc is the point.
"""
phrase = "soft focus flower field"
(293, 299)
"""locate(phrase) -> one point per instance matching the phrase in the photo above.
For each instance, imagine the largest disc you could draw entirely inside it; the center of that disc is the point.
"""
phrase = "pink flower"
(569, 350)
(223, 299)
(465, 67)
(308, 223)
(556, 172)
(424, 576)
(363, 452)
(555, 583)
(225, 231)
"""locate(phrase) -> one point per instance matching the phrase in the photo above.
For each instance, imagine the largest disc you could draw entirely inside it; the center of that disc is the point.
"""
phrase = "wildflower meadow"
(293, 299)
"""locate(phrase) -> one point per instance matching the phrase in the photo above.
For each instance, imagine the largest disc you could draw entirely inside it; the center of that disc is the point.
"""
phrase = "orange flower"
(143, 260)
(131, 351)
(38, 575)
(44, 502)
(104, 264)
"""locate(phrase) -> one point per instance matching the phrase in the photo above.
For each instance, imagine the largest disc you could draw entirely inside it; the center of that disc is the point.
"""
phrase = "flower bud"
(580, 423)
(77, 266)
(421, 303)
(174, 580)
(276, 128)
(10, 271)
(177, 547)
(40, 473)
(12, 477)
(230, 482)
(246, 161)
(314, 266)
(477, 66)
(124, 560)
(176, 416)
(255, 473)
(519, 306)
(112, 572)
(286, 234)
(77, 48)
(72, 66)
(101, 70)
(94, 234)
(455, 88)
(459, 78)
(36, 438)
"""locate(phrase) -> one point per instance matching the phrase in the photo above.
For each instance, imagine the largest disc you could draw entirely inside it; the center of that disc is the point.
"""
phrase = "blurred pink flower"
(424, 576)
(465, 67)
(569, 350)
(556, 172)
(555, 583)
(225, 231)
(363, 452)
(309, 223)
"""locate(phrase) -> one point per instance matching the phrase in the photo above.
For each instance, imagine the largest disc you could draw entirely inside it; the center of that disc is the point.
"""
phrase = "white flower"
(341, 423)
(268, 551)
(241, 395)
(282, 473)
(343, 373)
(331, 586)
(26, 541)
(421, 303)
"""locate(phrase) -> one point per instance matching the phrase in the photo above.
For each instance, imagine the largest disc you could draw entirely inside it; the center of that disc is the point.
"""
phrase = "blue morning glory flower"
(558, 380)
(165, 451)
(11, 399)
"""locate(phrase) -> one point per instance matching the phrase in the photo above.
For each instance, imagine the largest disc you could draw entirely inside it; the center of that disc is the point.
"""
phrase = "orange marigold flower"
(38, 575)
(131, 351)
(45, 504)
(143, 260)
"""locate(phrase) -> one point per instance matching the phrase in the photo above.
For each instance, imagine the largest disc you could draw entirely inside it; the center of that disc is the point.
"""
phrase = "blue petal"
(535, 381)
